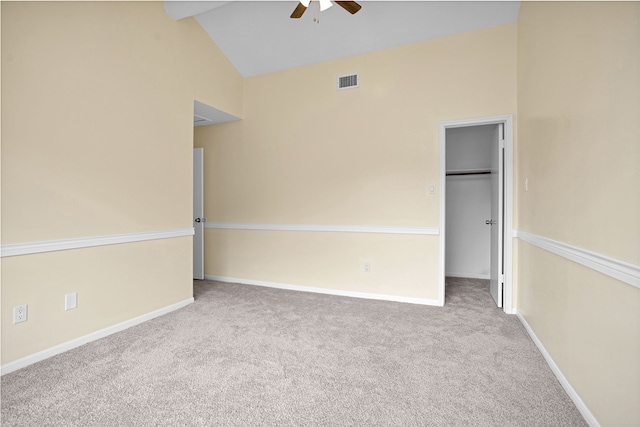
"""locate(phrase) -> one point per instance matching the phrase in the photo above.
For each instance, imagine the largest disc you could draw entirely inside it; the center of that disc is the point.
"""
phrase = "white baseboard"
(588, 416)
(468, 276)
(365, 295)
(50, 352)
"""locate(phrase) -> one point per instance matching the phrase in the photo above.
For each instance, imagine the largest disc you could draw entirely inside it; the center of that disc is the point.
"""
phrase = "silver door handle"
(201, 219)
(490, 222)
(197, 219)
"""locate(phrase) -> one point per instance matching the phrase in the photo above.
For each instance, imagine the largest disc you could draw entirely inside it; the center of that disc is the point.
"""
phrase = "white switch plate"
(71, 301)
(20, 314)
(432, 188)
(367, 267)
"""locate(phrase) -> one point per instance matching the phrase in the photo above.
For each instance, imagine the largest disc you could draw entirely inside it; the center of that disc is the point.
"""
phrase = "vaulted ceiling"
(259, 37)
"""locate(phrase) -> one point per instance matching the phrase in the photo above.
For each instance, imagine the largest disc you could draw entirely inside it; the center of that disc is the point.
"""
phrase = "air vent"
(348, 82)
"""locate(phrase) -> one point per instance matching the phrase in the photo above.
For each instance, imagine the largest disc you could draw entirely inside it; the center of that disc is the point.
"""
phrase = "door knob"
(490, 222)
(198, 219)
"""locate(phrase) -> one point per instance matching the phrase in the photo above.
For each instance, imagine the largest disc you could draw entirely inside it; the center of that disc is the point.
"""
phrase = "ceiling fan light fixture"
(322, 5)
(325, 4)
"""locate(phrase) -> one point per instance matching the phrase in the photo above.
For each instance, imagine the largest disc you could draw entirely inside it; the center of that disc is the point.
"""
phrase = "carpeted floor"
(251, 356)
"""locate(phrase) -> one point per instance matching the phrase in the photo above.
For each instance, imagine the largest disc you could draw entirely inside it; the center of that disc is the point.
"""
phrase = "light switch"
(71, 301)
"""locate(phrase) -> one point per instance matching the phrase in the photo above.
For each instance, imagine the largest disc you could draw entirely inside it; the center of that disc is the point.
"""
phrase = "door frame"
(507, 120)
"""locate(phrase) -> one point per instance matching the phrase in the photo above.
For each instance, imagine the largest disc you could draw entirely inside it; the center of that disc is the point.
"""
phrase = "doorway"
(476, 205)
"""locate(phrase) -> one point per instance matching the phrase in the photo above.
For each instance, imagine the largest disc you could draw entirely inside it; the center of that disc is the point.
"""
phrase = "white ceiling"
(258, 37)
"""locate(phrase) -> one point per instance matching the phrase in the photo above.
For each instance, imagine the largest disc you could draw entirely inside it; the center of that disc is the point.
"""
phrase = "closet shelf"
(469, 172)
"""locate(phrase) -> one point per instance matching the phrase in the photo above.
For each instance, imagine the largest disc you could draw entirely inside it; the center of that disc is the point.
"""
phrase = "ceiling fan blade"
(350, 6)
(298, 11)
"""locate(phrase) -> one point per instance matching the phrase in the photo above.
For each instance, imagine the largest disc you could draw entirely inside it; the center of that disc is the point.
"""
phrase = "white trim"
(507, 120)
(322, 227)
(573, 395)
(620, 270)
(14, 249)
(468, 276)
(338, 292)
(61, 348)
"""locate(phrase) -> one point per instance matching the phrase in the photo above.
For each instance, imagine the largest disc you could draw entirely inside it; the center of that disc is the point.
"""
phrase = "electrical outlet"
(20, 314)
(367, 267)
(71, 301)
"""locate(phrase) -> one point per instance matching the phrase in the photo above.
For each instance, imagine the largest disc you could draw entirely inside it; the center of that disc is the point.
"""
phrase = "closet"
(468, 201)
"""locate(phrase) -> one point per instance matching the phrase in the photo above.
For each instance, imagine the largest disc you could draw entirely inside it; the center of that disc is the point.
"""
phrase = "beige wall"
(306, 153)
(578, 108)
(114, 283)
(578, 86)
(97, 137)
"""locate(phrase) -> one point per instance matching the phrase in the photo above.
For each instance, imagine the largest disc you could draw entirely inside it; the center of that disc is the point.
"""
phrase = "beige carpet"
(250, 356)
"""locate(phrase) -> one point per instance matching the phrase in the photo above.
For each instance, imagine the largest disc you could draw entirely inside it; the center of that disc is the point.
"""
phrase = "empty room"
(320, 213)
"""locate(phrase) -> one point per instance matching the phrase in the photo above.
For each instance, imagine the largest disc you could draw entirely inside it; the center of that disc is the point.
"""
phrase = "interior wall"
(468, 202)
(578, 107)
(97, 138)
(306, 153)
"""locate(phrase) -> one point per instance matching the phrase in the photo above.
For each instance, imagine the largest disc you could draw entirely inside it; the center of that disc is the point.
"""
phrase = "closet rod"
(468, 173)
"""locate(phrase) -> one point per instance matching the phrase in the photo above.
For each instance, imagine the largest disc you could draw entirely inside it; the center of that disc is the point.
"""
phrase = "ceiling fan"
(350, 6)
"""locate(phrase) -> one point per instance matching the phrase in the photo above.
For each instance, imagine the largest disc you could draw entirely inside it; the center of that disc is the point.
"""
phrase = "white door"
(198, 215)
(496, 282)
